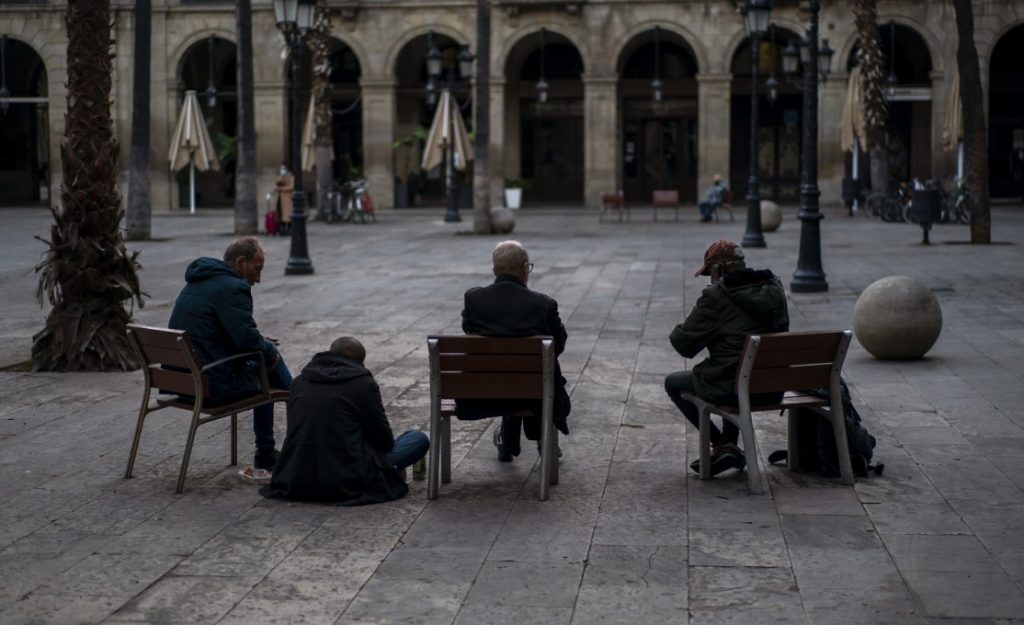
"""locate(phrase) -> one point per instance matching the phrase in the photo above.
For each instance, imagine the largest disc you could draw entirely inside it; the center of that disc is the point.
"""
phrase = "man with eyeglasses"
(508, 308)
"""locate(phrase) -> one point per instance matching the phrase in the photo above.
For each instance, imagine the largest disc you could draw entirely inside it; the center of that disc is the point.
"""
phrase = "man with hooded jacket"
(340, 447)
(739, 302)
(215, 308)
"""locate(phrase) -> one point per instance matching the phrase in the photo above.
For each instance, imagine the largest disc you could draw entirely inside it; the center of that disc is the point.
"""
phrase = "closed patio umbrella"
(447, 132)
(309, 139)
(192, 145)
(853, 125)
(953, 126)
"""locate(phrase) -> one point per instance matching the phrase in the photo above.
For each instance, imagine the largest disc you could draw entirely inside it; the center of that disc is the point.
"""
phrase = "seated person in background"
(507, 308)
(738, 302)
(712, 199)
(215, 308)
(340, 447)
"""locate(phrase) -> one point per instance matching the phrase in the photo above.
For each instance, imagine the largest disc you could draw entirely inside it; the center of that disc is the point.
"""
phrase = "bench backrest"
(160, 348)
(792, 361)
(666, 198)
(727, 197)
(477, 367)
(613, 199)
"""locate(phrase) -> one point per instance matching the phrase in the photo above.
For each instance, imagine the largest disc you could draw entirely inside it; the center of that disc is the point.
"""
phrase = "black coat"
(338, 435)
(215, 308)
(507, 308)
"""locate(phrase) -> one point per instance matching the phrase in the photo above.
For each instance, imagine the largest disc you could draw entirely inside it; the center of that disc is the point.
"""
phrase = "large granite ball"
(897, 318)
(503, 221)
(771, 216)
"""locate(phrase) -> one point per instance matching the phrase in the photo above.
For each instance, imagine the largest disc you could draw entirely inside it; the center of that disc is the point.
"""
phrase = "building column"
(714, 94)
(943, 160)
(831, 158)
(600, 138)
(497, 142)
(379, 138)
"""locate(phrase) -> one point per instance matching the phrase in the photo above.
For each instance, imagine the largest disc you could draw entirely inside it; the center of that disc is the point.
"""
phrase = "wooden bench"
(725, 205)
(186, 378)
(790, 363)
(666, 198)
(614, 201)
(477, 367)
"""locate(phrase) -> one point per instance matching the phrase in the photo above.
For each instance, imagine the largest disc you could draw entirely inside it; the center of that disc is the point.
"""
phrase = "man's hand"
(273, 340)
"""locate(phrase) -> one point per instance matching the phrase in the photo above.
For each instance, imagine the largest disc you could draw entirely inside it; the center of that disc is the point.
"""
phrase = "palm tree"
(876, 107)
(975, 132)
(319, 43)
(139, 220)
(245, 164)
(482, 121)
(87, 274)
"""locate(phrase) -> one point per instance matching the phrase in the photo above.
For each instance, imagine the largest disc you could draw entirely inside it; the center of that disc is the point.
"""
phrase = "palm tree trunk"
(87, 274)
(482, 121)
(246, 194)
(876, 106)
(139, 220)
(975, 132)
(322, 101)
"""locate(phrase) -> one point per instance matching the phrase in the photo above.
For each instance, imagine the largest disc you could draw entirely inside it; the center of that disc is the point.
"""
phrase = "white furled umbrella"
(953, 126)
(853, 126)
(447, 132)
(309, 139)
(192, 145)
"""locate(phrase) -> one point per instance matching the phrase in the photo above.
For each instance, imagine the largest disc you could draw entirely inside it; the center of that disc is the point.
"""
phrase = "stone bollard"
(771, 216)
(503, 221)
(897, 318)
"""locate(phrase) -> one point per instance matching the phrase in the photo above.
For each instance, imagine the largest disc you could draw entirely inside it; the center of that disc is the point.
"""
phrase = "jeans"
(263, 416)
(682, 382)
(706, 208)
(409, 447)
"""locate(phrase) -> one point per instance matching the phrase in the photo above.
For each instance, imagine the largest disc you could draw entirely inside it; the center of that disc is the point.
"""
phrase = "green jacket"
(744, 302)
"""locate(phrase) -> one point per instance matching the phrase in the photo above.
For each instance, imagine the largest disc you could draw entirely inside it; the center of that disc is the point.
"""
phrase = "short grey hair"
(246, 247)
(508, 257)
(348, 347)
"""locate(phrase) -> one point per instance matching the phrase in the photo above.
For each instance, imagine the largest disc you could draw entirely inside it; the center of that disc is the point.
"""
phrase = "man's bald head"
(348, 347)
(510, 258)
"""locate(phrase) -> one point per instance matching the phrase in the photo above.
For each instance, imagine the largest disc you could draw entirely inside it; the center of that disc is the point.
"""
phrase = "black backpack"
(817, 444)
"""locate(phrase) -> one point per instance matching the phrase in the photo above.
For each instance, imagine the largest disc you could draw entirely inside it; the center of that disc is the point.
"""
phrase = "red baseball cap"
(720, 251)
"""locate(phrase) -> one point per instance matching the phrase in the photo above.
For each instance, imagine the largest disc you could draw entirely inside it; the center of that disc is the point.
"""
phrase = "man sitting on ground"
(508, 308)
(712, 199)
(215, 308)
(340, 447)
(738, 302)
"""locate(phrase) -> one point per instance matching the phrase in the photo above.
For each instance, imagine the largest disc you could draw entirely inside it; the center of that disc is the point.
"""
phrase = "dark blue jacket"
(215, 308)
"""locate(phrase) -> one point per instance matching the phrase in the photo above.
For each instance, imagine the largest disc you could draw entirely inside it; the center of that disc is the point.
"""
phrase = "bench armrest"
(264, 381)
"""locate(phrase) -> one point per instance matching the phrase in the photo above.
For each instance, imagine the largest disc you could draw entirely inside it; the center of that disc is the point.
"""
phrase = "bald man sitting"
(508, 308)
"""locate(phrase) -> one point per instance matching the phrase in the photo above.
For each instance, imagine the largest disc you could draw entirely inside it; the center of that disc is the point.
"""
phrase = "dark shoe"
(266, 459)
(723, 458)
(503, 453)
(705, 220)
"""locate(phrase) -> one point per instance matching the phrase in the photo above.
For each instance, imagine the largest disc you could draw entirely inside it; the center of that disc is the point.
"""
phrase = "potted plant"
(408, 151)
(513, 193)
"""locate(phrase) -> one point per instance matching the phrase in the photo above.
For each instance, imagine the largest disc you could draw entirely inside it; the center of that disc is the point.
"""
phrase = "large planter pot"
(513, 198)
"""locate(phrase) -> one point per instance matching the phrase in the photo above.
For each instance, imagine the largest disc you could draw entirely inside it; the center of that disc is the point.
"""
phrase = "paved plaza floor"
(630, 535)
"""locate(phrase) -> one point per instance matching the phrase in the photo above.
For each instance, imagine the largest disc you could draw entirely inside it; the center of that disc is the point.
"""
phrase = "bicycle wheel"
(960, 211)
(890, 210)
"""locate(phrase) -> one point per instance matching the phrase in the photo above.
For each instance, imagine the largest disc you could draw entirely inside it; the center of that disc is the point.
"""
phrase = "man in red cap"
(738, 302)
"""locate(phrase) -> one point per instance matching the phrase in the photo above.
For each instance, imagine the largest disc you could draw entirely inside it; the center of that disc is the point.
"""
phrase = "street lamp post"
(450, 81)
(755, 13)
(809, 277)
(295, 19)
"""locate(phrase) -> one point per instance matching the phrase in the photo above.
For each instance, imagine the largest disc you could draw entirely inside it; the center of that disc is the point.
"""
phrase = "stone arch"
(997, 36)
(739, 38)
(625, 46)
(395, 50)
(931, 45)
(524, 32)
(25, 125)
(181, 50)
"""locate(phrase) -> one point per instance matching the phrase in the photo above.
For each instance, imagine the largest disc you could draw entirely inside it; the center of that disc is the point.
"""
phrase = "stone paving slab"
(629, 535)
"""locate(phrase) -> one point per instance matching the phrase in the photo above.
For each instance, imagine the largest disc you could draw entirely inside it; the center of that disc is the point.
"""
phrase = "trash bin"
(925, 208)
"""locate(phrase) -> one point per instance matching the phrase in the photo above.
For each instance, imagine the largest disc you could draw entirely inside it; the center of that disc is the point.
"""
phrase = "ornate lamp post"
(809, 276)
(452, 80)
(755, 13)
(295, 19)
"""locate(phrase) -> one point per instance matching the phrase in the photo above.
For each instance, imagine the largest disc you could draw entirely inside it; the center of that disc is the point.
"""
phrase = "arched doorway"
(659, 131)
(780, 109)
(908, 66)
(24, 126)
(1006, 116)
(413, 116)
(209, 68)
(551, 162)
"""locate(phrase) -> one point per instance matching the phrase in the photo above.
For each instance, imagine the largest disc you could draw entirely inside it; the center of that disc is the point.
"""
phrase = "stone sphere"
(503, 221)
(771, 216)
(897, 318)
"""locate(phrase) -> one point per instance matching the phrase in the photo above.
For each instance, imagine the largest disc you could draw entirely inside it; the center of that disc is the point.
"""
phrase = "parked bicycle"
(954, 205)
(349, 201)
(891, 207)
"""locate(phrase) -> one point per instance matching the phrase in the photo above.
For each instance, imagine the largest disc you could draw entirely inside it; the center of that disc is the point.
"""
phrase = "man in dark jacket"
(508, 308)
(215, 308)
(340, 447)
(738, 302)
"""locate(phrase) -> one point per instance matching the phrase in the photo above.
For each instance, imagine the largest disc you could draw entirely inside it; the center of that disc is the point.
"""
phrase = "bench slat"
(175, 381)
(496, 386)
(522, 363)
(487, 345)
(157, 337)
(172, 356)
(809, 356)
(795, 341)
(790, 378)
